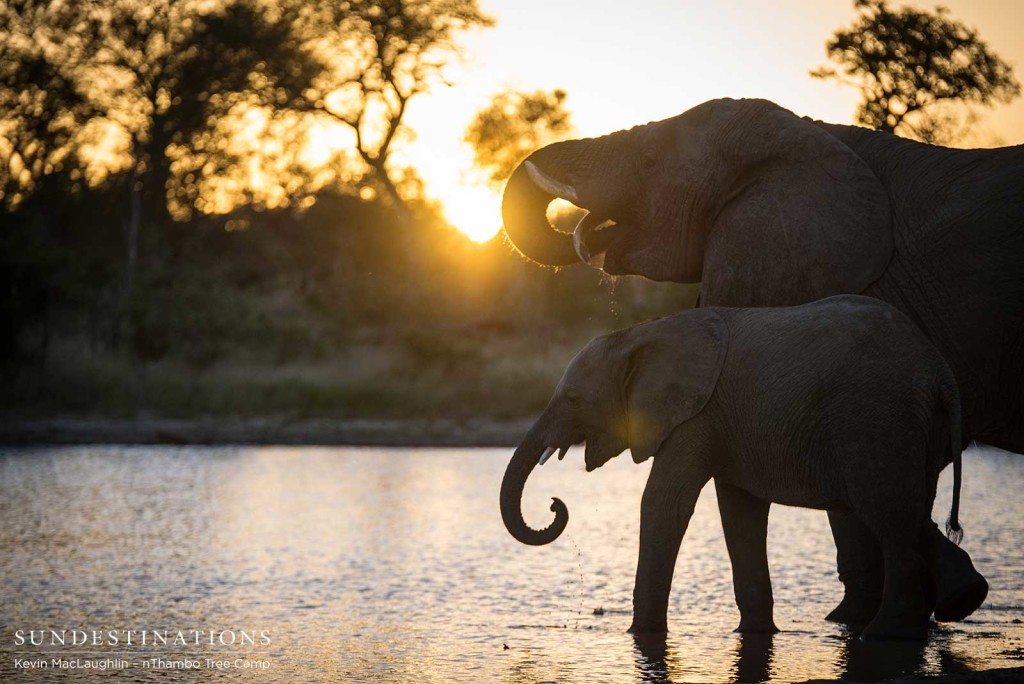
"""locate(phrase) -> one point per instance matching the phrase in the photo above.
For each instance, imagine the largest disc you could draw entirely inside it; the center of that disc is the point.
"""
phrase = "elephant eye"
(573, 401)
(649, 160)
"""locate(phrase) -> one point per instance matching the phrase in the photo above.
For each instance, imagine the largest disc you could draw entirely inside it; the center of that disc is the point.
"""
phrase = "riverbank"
(264, 431)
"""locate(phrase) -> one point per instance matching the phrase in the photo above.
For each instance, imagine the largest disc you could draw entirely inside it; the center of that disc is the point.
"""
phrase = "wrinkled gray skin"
(764, 208)
(841, 404)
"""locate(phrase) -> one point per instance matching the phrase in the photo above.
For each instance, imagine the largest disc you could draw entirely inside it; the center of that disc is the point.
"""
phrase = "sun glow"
(473, 210)
(449, 175)
(470, 206)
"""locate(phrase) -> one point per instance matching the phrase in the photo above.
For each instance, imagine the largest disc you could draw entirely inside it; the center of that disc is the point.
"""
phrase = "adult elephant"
(765, 208)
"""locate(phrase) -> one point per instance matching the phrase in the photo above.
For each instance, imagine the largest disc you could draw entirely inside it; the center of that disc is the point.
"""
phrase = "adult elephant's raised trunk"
(523, 210)
(561, 170)
(524, 460)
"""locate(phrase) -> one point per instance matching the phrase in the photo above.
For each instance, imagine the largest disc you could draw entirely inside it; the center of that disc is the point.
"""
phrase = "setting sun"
(473, 210)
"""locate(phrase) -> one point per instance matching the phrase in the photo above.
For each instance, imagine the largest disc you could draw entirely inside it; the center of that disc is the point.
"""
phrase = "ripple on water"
(393, 565)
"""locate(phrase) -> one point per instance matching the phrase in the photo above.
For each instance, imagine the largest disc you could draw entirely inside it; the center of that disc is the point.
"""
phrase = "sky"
(627, 63)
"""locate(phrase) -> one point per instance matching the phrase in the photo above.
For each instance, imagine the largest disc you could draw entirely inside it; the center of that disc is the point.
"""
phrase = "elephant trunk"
(524, 213)
(524, 460)
(549, 173)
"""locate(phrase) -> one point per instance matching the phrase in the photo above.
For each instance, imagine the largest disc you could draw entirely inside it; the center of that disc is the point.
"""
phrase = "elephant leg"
(745, 524)
(961, 588)
(861, 570)
(665, 513)
(904, 611)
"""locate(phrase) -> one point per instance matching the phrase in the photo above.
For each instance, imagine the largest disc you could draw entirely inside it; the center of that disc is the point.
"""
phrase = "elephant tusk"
(546, 455)
(577, 242)
(587, 225)
(550, 185)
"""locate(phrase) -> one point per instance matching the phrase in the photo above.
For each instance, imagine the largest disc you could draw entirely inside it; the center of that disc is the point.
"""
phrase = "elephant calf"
(841, 404)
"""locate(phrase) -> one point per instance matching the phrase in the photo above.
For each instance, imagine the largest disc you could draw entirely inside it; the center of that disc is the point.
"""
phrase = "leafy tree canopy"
(121, 87)
(910, 64)
(512, 126)
(205, 105)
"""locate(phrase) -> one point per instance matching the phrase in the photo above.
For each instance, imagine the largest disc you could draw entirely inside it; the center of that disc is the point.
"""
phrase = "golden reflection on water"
(392, 565)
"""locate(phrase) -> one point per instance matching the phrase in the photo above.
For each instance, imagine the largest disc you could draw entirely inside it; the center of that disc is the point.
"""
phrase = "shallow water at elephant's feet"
(392, 565)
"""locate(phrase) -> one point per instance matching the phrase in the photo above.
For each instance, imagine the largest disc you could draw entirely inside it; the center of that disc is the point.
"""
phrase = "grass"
(198, 354)
(450, 376)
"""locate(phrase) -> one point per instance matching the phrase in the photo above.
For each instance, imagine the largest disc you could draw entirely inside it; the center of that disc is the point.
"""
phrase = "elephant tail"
(951, 398)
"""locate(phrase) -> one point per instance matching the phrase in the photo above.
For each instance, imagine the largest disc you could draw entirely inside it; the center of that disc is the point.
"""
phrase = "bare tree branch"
(397, 49)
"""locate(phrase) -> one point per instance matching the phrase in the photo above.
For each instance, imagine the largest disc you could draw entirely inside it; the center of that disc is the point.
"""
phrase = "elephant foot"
(756, 627)
(881, 628)
(648, 626)
(756, 617)
(646, 630)
(961, 588)
(855, 608)
(961, 601)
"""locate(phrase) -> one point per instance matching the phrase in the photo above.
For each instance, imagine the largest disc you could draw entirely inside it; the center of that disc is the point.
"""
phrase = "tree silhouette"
(910, 65)
(513, 125)
(146, 78)
(156, 74)
(383, 53)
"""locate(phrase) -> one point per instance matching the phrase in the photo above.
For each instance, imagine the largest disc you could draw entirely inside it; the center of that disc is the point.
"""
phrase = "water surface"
(392, 565)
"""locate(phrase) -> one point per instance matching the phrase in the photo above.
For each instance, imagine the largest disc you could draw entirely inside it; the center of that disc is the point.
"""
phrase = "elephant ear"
(672, 371)
(808, 218)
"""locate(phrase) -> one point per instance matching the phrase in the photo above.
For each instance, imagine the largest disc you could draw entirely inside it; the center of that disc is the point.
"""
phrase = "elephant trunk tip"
(522, 464)
(533, 537)
(954, 530)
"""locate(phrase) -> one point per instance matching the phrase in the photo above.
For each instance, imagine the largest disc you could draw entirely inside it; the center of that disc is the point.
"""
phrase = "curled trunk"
(549, 173)
(523, 210)
(524, 460)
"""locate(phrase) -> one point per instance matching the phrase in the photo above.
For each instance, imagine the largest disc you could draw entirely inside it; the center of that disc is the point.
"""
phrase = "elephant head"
(762, 207)
(628, 389)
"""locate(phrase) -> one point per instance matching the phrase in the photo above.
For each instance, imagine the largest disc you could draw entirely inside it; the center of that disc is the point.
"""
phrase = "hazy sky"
(626, 63)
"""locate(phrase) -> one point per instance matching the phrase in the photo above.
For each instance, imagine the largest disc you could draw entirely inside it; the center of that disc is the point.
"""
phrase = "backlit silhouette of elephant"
(841, 404)
(765, 208)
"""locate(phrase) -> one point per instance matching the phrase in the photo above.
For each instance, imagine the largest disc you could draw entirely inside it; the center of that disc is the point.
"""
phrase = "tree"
(177, 68)
(513, 125)
(42, 107)
(384, 53)
(148, 77)
(154, 75)
(911, 65)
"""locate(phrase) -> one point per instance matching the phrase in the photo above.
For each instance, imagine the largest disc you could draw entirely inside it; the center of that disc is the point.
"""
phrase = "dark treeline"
(379, 315)
(283, 285)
